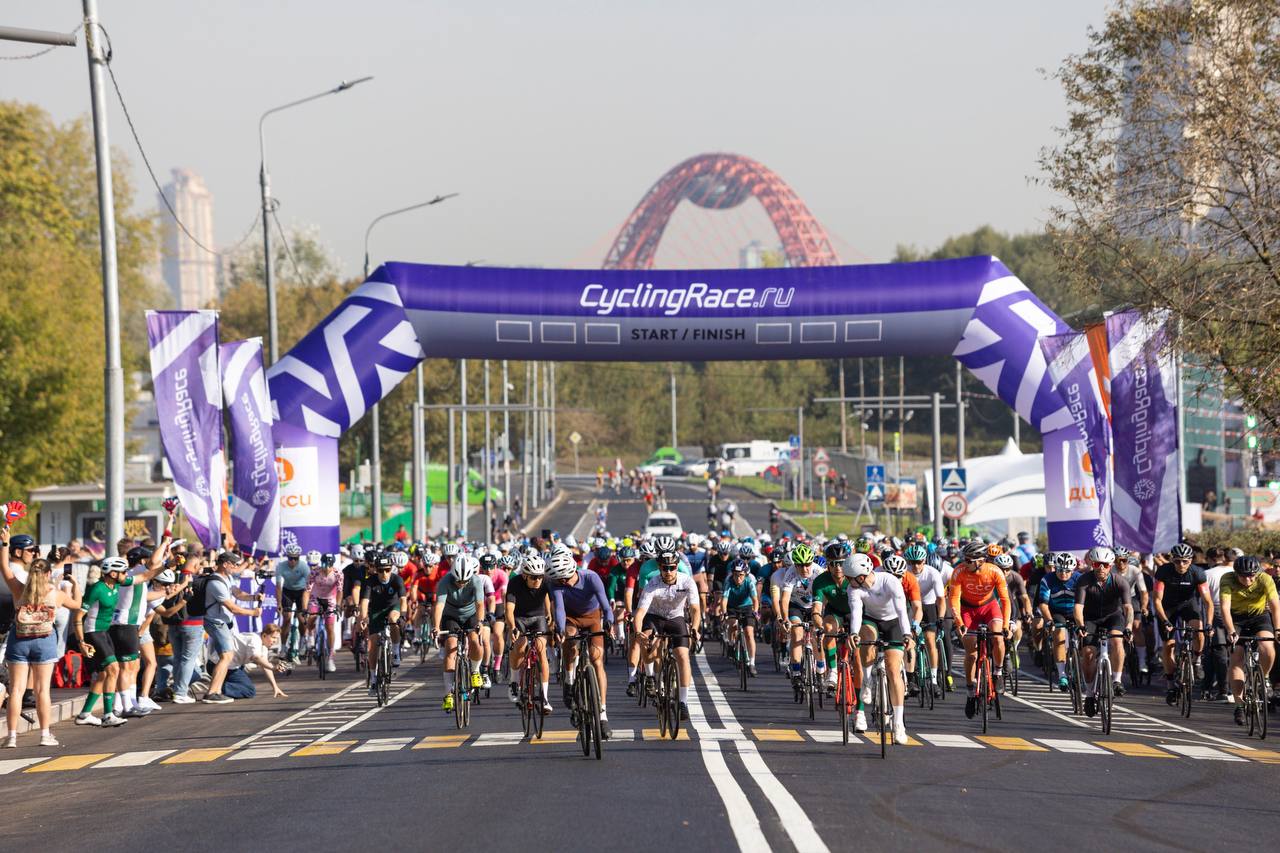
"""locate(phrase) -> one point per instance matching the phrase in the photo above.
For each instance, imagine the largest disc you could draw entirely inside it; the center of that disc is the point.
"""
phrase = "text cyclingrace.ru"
(673, 300)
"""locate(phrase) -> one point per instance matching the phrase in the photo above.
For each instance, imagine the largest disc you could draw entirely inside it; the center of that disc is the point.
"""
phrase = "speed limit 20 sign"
(954, 506)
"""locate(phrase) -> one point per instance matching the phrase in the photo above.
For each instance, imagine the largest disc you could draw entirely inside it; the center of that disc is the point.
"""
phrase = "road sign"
(784, 454)
(574, 437)
(954, 505)
(821, 469)
(875, 474)
(875, 492)
(820, 455)
(954, 480)
(794, 440)
(795, 453)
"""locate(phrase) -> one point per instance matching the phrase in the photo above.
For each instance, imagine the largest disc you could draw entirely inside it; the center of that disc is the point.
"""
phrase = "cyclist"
(353, 575)
(422, 592)
(382, 600)
(793, 591)
(740, 602)
(459, 608)
(527, 614)
(323, 590)
(663, 606)
(494, 630)
(896, 565)
(603, 561)
(1178, 586)
(878, 606)
(1056, 599)
(580, 606)
(1019, 601)
(1103, 600)
(617, 586)
(1250, 608)
(291, 589)
(831, 602)
(933, 603)
(717, 566)
(978, 595)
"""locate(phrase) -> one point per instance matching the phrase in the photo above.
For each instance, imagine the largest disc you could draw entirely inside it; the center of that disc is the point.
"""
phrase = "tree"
(1168, 165)
(51, 331)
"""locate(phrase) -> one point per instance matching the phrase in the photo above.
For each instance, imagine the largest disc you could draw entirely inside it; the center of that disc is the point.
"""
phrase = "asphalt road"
(325, 768)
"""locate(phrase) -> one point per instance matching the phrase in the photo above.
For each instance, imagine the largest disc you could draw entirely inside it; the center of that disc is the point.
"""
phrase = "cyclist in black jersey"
(1103, 600)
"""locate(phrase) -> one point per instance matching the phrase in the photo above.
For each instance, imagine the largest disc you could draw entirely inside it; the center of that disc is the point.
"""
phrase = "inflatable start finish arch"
(972, 308)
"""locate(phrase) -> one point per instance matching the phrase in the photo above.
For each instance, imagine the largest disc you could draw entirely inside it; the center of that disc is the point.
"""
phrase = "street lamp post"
(264, 183)
(419, 432)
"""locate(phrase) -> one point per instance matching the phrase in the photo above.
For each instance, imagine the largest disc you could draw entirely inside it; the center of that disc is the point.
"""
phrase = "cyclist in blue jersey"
(1056, 599)
(741, 603)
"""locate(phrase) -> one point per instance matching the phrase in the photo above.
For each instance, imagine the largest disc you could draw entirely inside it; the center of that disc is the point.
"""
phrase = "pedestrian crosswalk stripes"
(772, 738)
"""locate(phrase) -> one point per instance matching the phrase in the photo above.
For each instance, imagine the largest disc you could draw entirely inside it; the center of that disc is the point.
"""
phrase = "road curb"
(532, 523)
(61, 712)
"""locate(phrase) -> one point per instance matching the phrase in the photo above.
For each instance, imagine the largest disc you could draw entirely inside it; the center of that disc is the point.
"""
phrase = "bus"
(752, 458)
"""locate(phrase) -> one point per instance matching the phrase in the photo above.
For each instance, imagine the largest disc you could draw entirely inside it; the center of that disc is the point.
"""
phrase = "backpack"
(69, 672)
(196, 605)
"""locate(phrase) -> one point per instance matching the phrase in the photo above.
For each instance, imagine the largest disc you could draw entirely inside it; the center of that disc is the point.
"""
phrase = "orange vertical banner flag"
(1096, 334)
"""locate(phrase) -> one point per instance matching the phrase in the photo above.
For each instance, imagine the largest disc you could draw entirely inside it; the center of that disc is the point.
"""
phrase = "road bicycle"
(323, 652)
(944, 662)
(382, 670)
(584, 698)
(667, 687)
(736, 622)
(988, 698)
(1103, 685)
(1254, 699)
(1184, 678)
(923, 673)
(463, 693)
(1009, 673)
(880, 709)
(808, 691)
(529, 697)
(848, 681)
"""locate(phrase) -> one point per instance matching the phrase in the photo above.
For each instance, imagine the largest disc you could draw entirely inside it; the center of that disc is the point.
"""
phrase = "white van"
(751, 458)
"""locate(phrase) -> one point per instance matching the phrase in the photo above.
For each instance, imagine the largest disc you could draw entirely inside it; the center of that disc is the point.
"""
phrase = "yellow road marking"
(441, 741)
(777, 734)
(1139, 750)
(69, 762)
(1266, 756)
(329, 747)
(195, 756)
(1016, 743)
(874, 739)
(567, 736)
(653, 734)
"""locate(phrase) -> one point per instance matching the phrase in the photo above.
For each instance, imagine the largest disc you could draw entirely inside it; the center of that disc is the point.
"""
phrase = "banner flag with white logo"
(255, 510)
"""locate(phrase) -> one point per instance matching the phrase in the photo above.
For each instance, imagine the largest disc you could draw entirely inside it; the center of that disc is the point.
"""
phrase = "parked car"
(663, 523)
(705, 466)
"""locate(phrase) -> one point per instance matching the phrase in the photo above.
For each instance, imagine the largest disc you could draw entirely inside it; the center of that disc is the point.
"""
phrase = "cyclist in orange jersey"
(979, 595)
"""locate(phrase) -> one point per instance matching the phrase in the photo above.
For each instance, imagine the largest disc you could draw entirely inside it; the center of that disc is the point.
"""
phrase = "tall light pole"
(375, 427)
(673, 409)
(265, 183)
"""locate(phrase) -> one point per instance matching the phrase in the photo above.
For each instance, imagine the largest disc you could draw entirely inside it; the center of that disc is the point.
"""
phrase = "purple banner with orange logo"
(255, 512)
(307, 469)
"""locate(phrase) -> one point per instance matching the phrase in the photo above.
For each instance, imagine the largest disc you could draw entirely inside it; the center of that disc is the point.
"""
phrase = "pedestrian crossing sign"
(875, 492)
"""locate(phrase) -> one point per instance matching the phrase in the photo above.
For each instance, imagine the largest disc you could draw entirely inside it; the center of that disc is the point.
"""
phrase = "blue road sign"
(875, 491)
(875, 474)
(794, 441)
(954, 480)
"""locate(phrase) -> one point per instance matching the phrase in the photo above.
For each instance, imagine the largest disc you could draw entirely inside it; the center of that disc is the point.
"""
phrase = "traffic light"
(1250, 437)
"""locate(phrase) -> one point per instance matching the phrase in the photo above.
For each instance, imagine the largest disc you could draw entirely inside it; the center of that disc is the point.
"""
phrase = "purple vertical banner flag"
(1146, 508)
(188, 394)
(308, 470)
(1074, 376)
(255, 510)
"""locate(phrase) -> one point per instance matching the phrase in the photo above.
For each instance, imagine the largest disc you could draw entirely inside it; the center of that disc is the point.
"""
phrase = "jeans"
(186, 641)
(61, 622)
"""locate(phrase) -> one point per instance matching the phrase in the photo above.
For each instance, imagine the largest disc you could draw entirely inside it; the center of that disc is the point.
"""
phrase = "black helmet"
(1247, 565)
(381, 561)
(488, 562)
(22, 540)
(1182, 551)
(975, 550)
(138, 554)
(837, 551)
(668, 558)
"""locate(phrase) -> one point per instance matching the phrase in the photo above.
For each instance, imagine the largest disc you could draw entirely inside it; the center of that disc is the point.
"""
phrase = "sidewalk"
(66, 704)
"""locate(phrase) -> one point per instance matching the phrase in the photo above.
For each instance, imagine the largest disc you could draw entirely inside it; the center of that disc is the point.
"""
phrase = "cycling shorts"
(1186, 611)
(455, 624)
(291, 599)
(795, 614)
(125, 640)
(744, 615)
(1111, 622)
(929, 614)
(1251, 626)
(318, 604)
(676, 628)
(104, 651)
(890, 631)
(531, 624)
(586, 623)
(984, 614)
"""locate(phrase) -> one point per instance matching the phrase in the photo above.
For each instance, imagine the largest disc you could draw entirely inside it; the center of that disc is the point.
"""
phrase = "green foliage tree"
(51, 331)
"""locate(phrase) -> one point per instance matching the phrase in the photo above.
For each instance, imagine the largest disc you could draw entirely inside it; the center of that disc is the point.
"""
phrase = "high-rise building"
(190, 272)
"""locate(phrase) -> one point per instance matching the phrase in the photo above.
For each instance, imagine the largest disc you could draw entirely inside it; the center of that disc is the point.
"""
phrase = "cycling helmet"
(896, 543)
(357, 552)
(464, 569)
(1064, 562)
(837, 551)
(1100, 554)
(167, 576)
(739, 566)
(604, 552)
(328, 561)
(509, 562)
(1182, 551)
(1039, 561)
(724, 547)
(975, 551)
(647, 550)
(668, 558)
(534, 566)
(381, 561)
(916, 554)
(292, 551)
(431, 558)
(626, 552)
(451, 549)
(1004, 562)
(862, 545)
(747, 551)
(895, 565)
(399, 559)
(884, 550)
(313, 557)
(115, 564)
(995, 549)
(664, 543)
(562, 565)
(1122, 553)
(860, 565)
(571, 541)
(488, 562)
(802, 555)
(778, 555)
(1246, 566)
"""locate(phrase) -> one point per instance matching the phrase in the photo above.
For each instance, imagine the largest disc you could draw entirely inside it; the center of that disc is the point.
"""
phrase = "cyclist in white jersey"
(878, 604)
(662, 609)
(933, 601)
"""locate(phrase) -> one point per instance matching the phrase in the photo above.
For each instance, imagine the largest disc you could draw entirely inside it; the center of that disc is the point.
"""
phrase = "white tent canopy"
(1009, 485)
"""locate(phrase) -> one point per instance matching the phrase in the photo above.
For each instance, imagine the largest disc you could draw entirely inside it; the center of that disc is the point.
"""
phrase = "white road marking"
(825, 735)
(287, 720)
(498, 738)
(796, 823)
(384, 744)
(1202, 752)
(264, 752)
(1080, 747)
(13, 764)
(742, 818)
(958, 741)
(134, 759)
(367, 714)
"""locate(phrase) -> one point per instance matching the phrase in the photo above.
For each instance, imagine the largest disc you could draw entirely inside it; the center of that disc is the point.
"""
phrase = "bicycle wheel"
(459, 692)
(882, 709)
(984, 685)
(536, 713)
(526, 704)
(1015, 665)
(1075, 681)
(672, 690)
(1186, 677)
(843, 689)
(1105, 694)
(740, 649)
(944, 665)
(322, 649)
(590, 711)
(810, 678)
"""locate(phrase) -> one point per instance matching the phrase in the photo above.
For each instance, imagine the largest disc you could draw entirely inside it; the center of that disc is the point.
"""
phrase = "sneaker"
(49, 740)
(900, 734)
(860, 721)
(136, 711)
(751, 670)
(999, 679)
(149, 703)
(447, 704)
(513, 692)
(331, 666)
(1171, 695)
(1238, 715)
(111, 720)
(476, 680)
(631, 688)
(1090, 705)
(1197, 669)
(1117, 688)
(971, 706)
(1063, 684)
(684, 711)
(87, 720)
(217, 699)
(605, 731)
(181, 699)
(546, 707)
(485, 682)
(1228, 698)
(11, 742)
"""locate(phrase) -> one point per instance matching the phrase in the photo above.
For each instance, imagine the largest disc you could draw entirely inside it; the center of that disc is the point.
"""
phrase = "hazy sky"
(895, 122)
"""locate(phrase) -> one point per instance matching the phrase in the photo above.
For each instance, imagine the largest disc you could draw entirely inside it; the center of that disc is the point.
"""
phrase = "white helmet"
(292, 550)
(859, 564)
(464, 568)
(570, 541)
(562, 566)
(534, 566)
(1100, 554)
(357, 552)
(313, 557)
(115, 564)
(399, 559)
(431, 558)
(747, 551)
